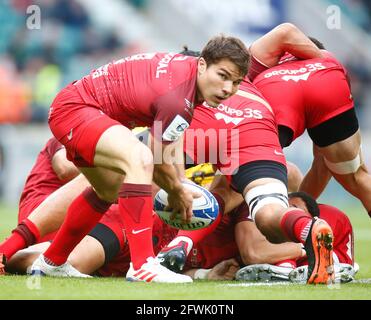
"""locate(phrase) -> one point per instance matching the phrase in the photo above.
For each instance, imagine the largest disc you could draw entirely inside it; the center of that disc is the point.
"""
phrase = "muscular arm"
(168, 175)
(170, 171)
(255, 248)
(284, 38)
(224, 270)
(64, 169)
(231, 198)
(295, 177)
(318, 176)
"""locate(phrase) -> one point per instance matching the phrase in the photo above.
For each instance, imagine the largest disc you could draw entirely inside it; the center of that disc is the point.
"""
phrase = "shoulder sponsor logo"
(175, 129)
(228, 119)
(297, 78)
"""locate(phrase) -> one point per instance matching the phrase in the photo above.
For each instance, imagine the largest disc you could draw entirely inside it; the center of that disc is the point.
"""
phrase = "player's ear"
(202, 65)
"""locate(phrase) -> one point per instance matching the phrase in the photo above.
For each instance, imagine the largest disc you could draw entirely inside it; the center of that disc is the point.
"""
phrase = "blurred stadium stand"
(79, 35)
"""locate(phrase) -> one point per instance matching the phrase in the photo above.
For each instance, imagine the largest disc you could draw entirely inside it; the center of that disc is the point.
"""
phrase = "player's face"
(217, 82)
(298, 203)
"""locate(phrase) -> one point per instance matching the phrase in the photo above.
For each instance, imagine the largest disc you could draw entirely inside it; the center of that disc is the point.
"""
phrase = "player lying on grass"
(315, 95)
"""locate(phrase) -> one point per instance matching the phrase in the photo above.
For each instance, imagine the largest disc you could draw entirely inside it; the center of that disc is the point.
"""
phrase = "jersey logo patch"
(175, 129)
(228, 119)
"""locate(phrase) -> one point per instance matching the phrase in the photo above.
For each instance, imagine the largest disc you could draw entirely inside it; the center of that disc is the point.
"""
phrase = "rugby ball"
(205, 209)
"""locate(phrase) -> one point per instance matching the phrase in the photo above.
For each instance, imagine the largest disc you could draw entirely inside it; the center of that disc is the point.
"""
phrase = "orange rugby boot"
(319, 248)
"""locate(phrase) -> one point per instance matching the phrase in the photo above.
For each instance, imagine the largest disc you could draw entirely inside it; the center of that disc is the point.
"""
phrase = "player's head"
(304, 201)
(222, 65)
(318, 43)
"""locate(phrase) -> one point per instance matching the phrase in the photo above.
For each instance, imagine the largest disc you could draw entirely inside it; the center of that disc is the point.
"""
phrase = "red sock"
(82, 215)
(295, 224)
(197, 235)
(25, 235)
(135, 203)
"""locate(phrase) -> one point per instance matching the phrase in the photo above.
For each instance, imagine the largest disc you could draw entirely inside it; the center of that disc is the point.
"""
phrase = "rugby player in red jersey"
(51, 171)
(251, 155)
(91, 117)
(315, 95)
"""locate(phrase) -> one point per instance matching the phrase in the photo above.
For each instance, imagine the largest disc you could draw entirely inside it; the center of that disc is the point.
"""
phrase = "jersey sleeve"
(52, 147)
(255, 68)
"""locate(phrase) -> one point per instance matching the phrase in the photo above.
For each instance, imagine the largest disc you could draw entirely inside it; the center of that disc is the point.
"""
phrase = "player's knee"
(139, 161)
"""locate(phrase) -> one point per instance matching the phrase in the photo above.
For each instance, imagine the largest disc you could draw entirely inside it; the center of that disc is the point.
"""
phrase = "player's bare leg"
(45, 219)
(50, 214)
(345, 161)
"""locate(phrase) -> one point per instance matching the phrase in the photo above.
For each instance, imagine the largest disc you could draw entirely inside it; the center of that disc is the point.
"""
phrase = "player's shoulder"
(52, 146)
(331, 212)
(173, 68)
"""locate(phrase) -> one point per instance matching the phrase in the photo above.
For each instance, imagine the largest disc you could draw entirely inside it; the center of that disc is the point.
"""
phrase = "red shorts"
(306, 104)
(77, 126)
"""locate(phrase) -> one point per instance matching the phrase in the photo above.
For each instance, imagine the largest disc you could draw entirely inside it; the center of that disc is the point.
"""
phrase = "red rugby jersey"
(144, 88)
(42, 179)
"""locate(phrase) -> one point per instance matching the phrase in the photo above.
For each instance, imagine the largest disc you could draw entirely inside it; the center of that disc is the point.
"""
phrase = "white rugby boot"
(263, 273)
(153, 271)
(343, 273)
(41, 268)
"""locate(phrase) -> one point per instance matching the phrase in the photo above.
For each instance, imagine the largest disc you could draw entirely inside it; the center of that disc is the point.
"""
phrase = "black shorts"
(335, 129)
(257, 170)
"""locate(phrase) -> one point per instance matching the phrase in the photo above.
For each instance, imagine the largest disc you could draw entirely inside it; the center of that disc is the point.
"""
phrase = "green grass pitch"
(33, 288)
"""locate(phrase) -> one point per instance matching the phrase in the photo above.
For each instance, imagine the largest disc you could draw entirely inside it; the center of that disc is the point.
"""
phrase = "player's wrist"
(201, 274)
